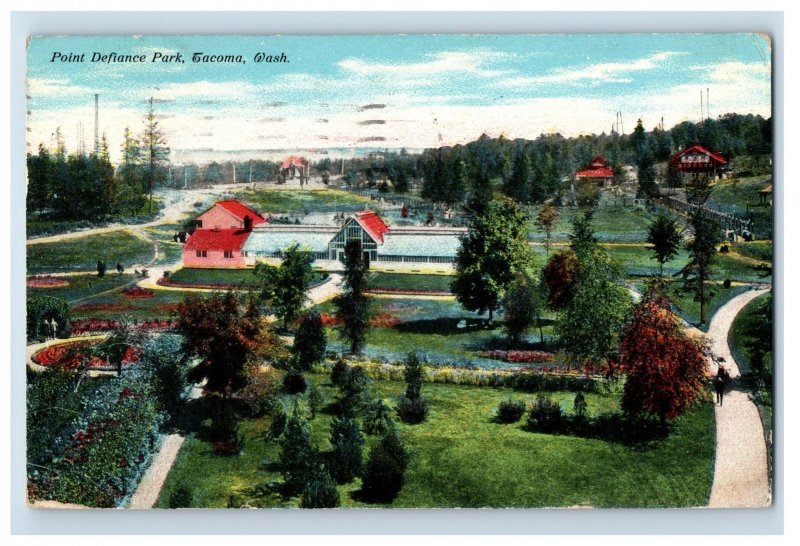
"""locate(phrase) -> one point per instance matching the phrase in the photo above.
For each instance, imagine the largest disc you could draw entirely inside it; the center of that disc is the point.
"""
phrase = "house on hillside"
(697, 159)
(229, 214)
(381, 243)
(598, 171)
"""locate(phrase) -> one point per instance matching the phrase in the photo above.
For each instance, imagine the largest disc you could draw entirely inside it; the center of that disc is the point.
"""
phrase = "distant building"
(380, 242)
(230, 214)
(697, 159)
(598, 171)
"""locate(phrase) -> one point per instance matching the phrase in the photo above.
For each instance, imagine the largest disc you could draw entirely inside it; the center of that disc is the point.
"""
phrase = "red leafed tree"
(559, 276)
(666, 369)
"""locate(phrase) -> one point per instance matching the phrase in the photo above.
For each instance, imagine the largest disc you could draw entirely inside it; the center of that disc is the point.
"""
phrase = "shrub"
(162, 358)
(384, 473)
(278, 424)
(377, 417)
(101, 268)
(726, 283)
(41, 308)
(225, 436)
(579, 406)
(315, 399)
(545, 414)
(353, 391)
(347, 443)
(510, 411)
(320, 491)
(181, 497)
(259, 395)
(412, 373)
(294, 382)
(298, 457)
(309, 340)
(412, 411)
(340, 368)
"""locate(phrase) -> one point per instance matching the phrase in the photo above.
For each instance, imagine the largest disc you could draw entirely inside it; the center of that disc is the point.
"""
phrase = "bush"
(41, 308)
(510, 411)
(353, 391)
(579, 406)
(162, 358)
(384, 473)
(181, 497)
(294, 382)
(412, 411)
(320, 491)
(340, 368)
(278, 424)
(545, 414)
(225, 436)
(347, 443)
(315, 399)
(726, 283)
(298, 457)
(377, 417)
(309, 341)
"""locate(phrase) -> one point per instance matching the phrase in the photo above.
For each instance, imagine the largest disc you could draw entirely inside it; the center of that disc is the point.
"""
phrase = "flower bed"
(46, 281)
(413, 291)
(382, 320)
(137, 292)
(116, 307)
(70, 356)
(87, 326)
(519, 357)
(168, 282)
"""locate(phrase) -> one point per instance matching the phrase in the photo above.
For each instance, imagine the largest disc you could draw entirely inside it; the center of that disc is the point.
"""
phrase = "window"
(229, 253)
(202, 253)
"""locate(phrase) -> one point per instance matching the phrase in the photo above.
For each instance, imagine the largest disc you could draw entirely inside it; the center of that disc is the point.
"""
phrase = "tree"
(41, 309)
(646, 170)
(665, 369)
(517, 186)
(702, 253)
(215, 330)
(758, 338)
(413, 408)
(546, 221)
(353, 391)
(315, 399)
(522, 307)
(494, 250)
(129, 188)
(298, 456)
(309, 341)
(559, 276)
(347, 444)
(284, 287)
(101, 268)
(598, 307)
(665, 239)
(320, 491)
(156, 151)
(384, 472)
(352, 306)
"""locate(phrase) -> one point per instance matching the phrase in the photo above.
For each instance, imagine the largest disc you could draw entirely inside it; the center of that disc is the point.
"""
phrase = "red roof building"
(698, 159)
(294, 161)
(372, 224)
(215, 249)
(230, 214)
(598, 170)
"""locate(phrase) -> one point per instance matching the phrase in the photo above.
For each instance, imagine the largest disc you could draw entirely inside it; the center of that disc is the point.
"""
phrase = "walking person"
(720, 382)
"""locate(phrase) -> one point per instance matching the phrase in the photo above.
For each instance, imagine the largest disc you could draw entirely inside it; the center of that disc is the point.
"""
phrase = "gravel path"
(741, 475)
(153, 480)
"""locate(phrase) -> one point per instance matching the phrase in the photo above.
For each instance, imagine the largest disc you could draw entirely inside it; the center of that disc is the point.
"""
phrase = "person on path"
(720, 382)
(53, 328)
(46, 330)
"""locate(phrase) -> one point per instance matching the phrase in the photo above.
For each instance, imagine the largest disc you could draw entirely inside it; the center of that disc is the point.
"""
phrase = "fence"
(725, 220)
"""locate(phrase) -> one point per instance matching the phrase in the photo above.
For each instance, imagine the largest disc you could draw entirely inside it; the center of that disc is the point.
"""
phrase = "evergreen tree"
(298, 456)
(309, 341)
(347, 444)
(546, 221)
(665, 239)
(646, 173)
(523, 307)
(320, 491)
(517, 186)
(702, 252)
(352, 305)
(155, 148)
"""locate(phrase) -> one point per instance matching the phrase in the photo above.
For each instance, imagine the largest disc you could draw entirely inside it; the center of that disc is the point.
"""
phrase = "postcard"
(399, 271)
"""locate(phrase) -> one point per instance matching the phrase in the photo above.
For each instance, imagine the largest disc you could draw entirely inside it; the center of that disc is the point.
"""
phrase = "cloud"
(38, 87)
(599, 73)
(441, 63)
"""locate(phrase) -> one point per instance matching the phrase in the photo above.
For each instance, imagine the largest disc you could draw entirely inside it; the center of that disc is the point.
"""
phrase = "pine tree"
(298, 457)
(347, 444)
(155, 148)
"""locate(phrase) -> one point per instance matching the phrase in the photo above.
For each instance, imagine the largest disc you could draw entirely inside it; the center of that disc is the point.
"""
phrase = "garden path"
(741, 474)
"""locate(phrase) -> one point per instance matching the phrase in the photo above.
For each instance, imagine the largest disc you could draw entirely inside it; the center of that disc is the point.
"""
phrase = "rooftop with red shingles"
(372, 223)
(217, 239)
(240, 210)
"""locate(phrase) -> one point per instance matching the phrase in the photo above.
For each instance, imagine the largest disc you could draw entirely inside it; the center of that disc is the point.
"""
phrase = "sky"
(412, 91)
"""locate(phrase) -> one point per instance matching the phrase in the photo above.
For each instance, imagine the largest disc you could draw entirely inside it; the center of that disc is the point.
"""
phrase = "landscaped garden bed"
(46, 281)
(76, 354)
(89, 326)
(137, 292)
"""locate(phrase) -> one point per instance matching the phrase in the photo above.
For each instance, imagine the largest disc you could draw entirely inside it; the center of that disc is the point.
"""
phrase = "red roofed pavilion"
(698, 159)
(598, 171)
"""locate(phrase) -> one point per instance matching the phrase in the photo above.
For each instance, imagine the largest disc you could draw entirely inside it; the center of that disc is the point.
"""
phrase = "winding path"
(741, 473)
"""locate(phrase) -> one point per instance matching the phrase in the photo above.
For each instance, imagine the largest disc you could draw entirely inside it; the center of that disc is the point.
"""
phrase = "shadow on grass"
(445, 326)
(637, 433)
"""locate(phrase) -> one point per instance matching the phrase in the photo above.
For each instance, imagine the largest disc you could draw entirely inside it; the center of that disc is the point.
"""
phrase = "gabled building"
(598, 171)
(697, 159)
(215, 249)
(230, 214)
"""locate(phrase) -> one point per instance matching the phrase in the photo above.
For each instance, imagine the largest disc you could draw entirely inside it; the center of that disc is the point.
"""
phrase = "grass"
(738, 336)
(430, 326)
(170, 252)
(410, 281)
(38, 227)
(611, 223)
(84, 286)
(115, 305)
(286, 201)
(461, 458)
(757, 250)
(82, 254)
(214, 276)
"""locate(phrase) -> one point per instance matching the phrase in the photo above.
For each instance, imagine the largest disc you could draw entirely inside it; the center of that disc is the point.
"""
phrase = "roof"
(217, 239)
(240, 210)
(598, 161)
(295, 161)
(768, 189)
(421, 243)
(372, 224)
(697, 148)
(602, 172)
(275, 238)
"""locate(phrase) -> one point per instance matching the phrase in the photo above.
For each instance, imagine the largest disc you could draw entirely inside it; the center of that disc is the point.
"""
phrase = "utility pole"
(96, 124)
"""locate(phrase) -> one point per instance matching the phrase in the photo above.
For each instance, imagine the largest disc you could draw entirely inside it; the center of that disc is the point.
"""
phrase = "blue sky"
(413, 91)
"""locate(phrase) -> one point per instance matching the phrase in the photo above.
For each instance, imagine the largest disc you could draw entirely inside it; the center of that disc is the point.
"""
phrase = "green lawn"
(225, 276)
(283, 201)
(115, 305)
(84, 286)
(611, 223)
(738, 335)
(82, 254)
(170, 252)
(379, 280)
(461, 458)
(758, 250)
(37, 227)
